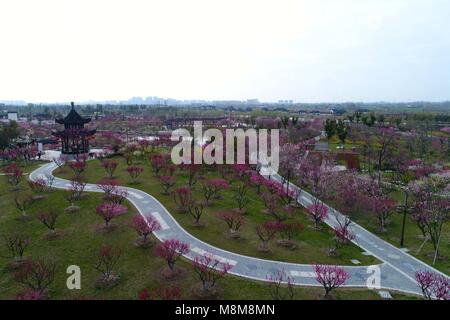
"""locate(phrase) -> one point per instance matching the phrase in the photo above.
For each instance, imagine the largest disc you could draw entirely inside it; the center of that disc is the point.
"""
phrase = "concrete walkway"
(397, 269)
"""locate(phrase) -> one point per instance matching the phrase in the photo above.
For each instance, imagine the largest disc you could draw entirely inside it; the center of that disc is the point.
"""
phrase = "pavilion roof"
(73, 117)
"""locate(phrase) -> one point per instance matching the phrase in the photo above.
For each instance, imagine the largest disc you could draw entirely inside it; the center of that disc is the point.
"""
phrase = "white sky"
(310, 50)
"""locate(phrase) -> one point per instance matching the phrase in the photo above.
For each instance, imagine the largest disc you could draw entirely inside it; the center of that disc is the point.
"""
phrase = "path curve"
(392, 277)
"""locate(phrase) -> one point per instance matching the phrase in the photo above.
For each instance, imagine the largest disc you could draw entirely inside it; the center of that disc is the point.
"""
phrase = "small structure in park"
(74, 138)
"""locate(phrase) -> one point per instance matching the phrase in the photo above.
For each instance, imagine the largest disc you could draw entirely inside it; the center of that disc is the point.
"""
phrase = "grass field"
(312, 245)
(138, 268)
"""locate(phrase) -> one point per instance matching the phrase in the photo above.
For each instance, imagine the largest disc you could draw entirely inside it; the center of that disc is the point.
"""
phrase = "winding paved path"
(397, 269)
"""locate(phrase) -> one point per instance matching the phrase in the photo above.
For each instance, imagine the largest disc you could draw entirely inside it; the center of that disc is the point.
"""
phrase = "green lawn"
(312, 245)
(138, 268)
(413, 239)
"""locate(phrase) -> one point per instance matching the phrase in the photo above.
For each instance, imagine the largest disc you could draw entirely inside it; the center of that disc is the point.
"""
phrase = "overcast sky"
(308, 51)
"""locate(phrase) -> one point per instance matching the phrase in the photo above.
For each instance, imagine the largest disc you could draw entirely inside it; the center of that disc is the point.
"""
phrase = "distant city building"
(252, 101)
(13, 116)
(286, 102)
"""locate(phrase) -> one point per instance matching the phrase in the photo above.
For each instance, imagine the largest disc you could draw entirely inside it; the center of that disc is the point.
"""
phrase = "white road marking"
(221, 259)
(162, 223)
(303, 274)
(134, 194)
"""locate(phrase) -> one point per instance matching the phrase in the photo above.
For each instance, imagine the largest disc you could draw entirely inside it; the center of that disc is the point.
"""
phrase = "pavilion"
(74, 138)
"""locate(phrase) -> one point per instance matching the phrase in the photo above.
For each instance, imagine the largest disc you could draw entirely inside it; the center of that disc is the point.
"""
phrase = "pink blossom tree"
(110, 167)
(287, 232)
(209, 270)
(171, 250)
(233, 220)
(157, 161)
(16, 244)
(257, 181)
(431, 213)
(77, 186)
(266, 232)
(108, 186)
(330, 277)
(196, 210)
(192, 172)
(382, 207)
(211, 188)
(241, 198)
(14, 175)
(38, 186)
(78, 166)
(22, 204)
(60, 161)
(118, 195)
(343, 234)
(134, 172)
(433, 285)
(145, 226)
(281, 286)
(107, 259)
(318, 213)
(48, 219)
(36, 275)
(182, 198)
(272, 205)
(166, 183)
(109, 211)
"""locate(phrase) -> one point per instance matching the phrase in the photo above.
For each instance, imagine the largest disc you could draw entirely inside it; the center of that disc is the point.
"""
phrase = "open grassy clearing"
(138, 268)
(312, 245)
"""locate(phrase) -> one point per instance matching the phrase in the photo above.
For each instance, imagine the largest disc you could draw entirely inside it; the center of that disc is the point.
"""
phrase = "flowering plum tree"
(431, 213)
(233, 220)
(266, 231)
(209, 269)
(118, 195)
(240, 195)
(14, 175)
(171, 250)
(382, 207)
(330, 277)
(166, 183)
(157, 161)
(108, 186)
(257, 181)
(318, 212)
(37, 275)
(74, 193)
(288, 231)
(433, 285)
(196, 210)
(23, 203)
(342, 233)
(281, 286)
(211, 188)
(107, 258)
(16, 245)
(109, 211)
(134, 172)
(193, 173)
(144, 226)
(110, 167)
(183, 198)
(78, 166)
(60, 161)
(38, 186)
(48, 219)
